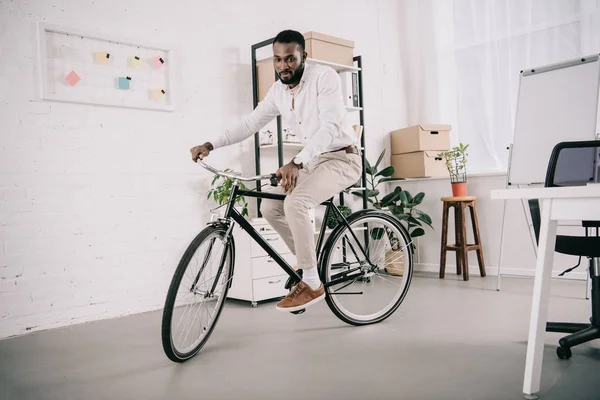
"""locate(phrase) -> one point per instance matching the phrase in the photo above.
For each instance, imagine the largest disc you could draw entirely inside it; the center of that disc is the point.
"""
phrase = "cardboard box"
(329, 48)
(265, 77)
(318, 46)
(420, 138)
(419, 164)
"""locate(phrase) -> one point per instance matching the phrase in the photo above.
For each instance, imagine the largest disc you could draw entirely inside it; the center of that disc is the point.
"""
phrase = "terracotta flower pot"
(459, 189)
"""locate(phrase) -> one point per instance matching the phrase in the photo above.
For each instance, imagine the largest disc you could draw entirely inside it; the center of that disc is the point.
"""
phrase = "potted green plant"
(221, 190)
(456, 162)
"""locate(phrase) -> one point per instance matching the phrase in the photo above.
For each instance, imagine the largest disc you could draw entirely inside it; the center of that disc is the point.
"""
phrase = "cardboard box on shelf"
(420, 138)
(329, 48)
(318, 46)
(419, 164)
(265, 77)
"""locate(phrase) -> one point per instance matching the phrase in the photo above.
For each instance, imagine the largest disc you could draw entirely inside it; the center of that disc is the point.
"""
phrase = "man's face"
(288, 61)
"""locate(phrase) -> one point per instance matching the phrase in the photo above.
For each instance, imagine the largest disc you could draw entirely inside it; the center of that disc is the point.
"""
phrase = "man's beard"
(294, 76)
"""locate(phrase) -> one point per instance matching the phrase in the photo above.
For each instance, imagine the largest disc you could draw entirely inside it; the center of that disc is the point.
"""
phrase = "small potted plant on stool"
(456, 162)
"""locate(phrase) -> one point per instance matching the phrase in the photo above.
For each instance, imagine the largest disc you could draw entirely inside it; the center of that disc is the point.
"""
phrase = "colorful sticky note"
(157, 94)
(135, 62)
(124, 83)
(72, 79)
(102, 57)
(158, 62)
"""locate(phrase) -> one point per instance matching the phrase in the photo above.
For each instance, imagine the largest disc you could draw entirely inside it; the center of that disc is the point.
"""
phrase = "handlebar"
(271, 177)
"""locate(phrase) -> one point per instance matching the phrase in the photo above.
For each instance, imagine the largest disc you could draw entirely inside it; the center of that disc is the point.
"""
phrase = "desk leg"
(539, 305)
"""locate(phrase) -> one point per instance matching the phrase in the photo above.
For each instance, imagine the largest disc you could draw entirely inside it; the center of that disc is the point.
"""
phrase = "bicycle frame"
(232, 214)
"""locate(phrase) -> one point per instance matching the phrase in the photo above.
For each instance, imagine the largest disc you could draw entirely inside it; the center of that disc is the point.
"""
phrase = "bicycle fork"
(225, 240)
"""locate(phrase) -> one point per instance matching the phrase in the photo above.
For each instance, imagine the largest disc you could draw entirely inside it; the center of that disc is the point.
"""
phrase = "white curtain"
(463, 57)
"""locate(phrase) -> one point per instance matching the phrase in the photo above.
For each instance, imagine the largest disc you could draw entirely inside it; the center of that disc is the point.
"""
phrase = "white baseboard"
(581, 275)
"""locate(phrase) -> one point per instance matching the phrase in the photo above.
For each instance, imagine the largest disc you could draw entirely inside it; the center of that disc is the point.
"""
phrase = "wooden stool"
(460, 234)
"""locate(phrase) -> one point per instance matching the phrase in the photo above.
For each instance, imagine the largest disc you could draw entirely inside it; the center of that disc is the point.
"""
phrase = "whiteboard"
(90, 68)
(556, 103)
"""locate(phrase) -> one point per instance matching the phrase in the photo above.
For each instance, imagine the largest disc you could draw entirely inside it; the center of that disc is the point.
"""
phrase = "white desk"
(556, 203)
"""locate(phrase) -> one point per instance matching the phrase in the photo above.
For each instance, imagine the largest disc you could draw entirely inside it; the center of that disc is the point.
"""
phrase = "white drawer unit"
(264, 267)
(257, 276)
(274, 240)
(272, 287)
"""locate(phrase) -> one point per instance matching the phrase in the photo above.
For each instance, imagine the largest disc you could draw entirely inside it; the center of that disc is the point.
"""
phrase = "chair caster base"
(564, 353)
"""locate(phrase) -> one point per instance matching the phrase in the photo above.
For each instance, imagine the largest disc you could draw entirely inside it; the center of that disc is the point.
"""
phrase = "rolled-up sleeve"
(331, 114)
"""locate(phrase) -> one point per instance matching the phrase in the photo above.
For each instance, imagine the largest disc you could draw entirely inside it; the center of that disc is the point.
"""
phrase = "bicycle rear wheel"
(197, 293)
(376, 279)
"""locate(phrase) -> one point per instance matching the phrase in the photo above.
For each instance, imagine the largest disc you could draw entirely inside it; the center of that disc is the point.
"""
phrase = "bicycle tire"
(166, 329)
(329, 248)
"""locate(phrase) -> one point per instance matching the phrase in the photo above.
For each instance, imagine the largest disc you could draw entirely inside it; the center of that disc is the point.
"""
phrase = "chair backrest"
(571, 164)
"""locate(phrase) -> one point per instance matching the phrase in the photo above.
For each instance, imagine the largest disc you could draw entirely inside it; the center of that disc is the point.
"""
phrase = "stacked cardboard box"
(415, 150)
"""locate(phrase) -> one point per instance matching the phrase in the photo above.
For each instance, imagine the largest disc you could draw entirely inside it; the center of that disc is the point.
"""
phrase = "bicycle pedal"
(299, 311)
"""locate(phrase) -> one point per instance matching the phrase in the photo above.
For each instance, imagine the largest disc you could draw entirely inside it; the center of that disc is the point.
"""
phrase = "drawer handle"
(272, 239)
(270, 260)
(275, 281)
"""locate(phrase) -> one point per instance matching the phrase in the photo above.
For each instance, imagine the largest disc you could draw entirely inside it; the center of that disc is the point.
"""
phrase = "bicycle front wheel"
(372, 263)
(197, 293)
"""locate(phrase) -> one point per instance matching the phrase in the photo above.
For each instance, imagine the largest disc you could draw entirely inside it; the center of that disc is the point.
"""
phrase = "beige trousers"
(322, 178)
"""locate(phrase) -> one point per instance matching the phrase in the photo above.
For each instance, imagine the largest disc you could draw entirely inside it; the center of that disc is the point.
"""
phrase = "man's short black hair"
(290, 36)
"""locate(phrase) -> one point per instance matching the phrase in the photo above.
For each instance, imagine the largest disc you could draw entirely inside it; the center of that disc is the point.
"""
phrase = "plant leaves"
(402, 217)
(403, 198)
(397, 210)
(423, 217)
(418, 199)
(380, 158)
(391, 179)
(413, 220)
(368, 165)
(417, 232)
(372, 193)
(387, 171)
(389, 199)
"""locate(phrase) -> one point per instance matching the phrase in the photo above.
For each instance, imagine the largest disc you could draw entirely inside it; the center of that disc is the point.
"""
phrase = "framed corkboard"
(82, 67)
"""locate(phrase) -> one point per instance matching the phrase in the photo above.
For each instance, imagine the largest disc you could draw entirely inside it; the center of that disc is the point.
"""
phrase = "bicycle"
(352, 262)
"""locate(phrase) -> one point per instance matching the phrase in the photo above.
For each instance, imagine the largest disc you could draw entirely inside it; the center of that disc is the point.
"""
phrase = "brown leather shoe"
(300, 297)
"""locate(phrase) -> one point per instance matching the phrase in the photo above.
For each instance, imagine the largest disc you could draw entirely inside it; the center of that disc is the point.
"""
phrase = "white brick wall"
(97, 204)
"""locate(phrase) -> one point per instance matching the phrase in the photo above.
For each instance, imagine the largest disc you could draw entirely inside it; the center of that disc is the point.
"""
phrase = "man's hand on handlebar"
(199, 152)
(288, 174)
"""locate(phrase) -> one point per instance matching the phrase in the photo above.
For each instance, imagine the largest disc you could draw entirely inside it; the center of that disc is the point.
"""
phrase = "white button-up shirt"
(318, 114)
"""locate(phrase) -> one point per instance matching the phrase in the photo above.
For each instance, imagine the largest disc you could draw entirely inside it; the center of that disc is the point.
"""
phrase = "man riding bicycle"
(310, 96)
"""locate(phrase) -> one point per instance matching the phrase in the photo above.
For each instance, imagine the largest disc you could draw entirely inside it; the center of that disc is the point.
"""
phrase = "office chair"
(575, 164)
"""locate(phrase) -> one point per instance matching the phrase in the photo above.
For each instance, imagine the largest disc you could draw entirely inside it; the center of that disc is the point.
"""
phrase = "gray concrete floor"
(449, 340)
